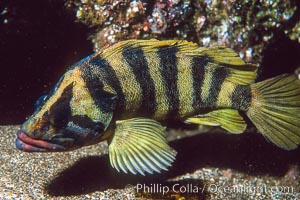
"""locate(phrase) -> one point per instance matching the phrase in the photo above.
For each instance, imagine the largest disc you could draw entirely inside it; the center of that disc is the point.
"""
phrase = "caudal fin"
(275, 110)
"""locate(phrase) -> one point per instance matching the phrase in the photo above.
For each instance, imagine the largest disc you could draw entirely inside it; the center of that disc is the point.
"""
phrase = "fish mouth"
(29, 144)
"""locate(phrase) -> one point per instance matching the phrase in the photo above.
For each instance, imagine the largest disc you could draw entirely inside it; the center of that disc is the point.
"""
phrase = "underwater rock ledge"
(246, 26)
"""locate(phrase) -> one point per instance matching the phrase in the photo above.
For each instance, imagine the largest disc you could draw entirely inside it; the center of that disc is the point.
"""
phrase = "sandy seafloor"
(208, 166)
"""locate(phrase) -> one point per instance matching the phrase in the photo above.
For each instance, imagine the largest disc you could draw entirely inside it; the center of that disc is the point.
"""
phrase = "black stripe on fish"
(84, 121)
(241, 97)
(169, 71)
(104, 100)
(198, 71)
(60, 111)
(135, 58)
(219, 75)
(95, 85)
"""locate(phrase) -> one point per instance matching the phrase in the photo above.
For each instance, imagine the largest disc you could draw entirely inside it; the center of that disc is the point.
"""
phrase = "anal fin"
(227, 119)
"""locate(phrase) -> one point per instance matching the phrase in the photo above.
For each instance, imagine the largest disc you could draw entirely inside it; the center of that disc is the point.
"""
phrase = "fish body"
(123, 93)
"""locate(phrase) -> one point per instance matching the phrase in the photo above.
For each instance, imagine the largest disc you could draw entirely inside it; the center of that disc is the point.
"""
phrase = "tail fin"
(275, 110)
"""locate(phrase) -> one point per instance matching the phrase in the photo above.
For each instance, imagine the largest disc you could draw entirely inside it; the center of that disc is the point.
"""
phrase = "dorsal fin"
(218, 56)
(149, 46)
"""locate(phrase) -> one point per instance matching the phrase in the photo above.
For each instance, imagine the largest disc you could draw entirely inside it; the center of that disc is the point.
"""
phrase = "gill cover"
(76, 113)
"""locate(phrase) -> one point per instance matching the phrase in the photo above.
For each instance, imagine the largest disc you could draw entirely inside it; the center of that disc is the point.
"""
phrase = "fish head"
(66, 119)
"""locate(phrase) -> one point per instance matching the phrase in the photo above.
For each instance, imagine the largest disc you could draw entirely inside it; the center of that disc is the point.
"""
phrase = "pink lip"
(28, 144)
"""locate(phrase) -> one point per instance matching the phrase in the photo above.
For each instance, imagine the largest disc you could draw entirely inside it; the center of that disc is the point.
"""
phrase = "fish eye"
(39, 102)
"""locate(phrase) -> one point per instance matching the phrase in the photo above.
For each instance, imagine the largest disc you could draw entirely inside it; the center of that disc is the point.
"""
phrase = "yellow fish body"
(123, 93)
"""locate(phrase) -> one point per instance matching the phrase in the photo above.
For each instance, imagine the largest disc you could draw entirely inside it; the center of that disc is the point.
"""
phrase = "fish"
(125, 93)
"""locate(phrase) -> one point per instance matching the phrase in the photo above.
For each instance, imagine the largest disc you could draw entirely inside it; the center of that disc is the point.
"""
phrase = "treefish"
(124, 93)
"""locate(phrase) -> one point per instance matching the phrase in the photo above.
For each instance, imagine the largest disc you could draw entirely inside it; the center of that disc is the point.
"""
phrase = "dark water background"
(38, 42)
(40, 39)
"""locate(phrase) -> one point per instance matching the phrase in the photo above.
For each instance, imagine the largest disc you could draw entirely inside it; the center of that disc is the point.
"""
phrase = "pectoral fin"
(139, 145)
(228, 119)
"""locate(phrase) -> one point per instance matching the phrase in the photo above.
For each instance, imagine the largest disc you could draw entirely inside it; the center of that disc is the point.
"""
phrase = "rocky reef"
(246, 26)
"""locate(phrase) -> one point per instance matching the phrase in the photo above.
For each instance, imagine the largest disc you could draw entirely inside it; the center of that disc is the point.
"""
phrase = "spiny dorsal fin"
(149, 46)
(139, 145)
(228, 119)
(219, 56)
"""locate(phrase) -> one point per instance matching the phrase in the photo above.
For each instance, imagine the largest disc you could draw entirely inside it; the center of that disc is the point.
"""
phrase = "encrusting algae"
(246, 26)
(124, 93)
